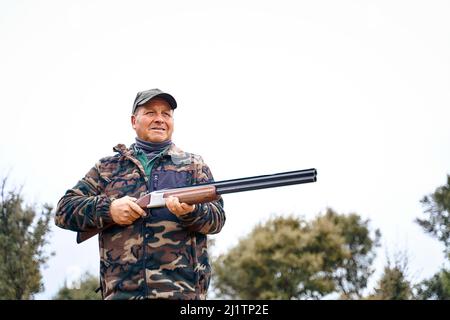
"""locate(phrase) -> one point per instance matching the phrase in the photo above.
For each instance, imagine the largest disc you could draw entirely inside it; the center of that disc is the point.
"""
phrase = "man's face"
(153, 121)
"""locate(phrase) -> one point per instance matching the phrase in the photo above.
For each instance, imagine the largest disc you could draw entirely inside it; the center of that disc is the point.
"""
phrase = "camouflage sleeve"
(84, 207)
(208, 218)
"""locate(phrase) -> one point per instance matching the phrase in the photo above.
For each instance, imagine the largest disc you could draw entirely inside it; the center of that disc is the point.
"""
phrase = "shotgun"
(207, 192)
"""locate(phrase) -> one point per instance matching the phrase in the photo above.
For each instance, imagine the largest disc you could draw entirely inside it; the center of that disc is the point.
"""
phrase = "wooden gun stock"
(194, 195)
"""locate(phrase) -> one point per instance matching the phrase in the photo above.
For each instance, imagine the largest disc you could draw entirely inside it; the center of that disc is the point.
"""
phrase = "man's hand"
(124, 210)
(177, 208)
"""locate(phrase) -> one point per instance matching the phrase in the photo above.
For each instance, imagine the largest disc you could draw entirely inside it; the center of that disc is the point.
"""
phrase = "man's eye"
(150, 113)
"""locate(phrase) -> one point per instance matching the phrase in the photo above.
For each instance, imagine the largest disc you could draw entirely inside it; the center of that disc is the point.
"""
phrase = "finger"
(125, 221)
(133, 214)
(177, 205)
(174, 206)
(171, 203)
(169, 200)
(135, 208)
(174, 200)
(187, 207)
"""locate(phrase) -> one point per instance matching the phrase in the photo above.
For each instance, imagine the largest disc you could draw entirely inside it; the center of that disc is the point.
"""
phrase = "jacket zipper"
(155, 182)
(152, 186)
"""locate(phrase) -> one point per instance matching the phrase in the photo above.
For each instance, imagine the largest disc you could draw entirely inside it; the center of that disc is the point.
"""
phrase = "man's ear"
(133, 121)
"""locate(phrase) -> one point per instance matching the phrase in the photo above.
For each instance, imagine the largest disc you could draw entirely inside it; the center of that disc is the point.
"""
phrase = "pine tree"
(86, 289)
(23, 236)
(393, 284)
(437, 224)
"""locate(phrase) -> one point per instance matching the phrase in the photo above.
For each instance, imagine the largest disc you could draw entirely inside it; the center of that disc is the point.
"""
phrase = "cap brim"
(167, 97)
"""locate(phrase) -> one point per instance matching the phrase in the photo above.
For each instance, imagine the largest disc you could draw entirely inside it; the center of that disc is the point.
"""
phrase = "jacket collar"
(178, 156)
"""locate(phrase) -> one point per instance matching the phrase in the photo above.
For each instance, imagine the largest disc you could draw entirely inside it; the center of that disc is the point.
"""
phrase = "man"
(151, 253)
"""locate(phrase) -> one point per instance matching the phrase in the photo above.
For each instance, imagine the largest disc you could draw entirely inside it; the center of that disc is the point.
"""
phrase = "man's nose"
(159, 118)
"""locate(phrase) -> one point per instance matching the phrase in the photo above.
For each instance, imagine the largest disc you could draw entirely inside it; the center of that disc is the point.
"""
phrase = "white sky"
(357, 89)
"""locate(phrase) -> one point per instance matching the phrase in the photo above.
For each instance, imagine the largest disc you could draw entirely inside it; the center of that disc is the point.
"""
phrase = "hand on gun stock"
(178, 208)
(124, 211)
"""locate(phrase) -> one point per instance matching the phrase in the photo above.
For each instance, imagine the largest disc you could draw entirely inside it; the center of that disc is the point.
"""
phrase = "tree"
(23, 236)
(437, 208)
(393, 284)
(353, 273)
(437, 223)
(85, 290)
(435, 288)
(290, 258)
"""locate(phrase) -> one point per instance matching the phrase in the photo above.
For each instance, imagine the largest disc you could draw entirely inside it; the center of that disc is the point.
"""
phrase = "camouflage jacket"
(160, 255)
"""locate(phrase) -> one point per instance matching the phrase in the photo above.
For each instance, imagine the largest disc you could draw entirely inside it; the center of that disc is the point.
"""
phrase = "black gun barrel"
(266, 181)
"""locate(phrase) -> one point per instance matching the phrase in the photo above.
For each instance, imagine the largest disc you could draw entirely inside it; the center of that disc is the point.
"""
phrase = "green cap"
(145, 96)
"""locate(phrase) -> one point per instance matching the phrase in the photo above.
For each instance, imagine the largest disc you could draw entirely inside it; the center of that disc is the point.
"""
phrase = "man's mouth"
(158, 129)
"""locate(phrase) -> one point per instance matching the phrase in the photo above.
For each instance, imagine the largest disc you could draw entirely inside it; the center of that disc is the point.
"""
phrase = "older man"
(151, 253)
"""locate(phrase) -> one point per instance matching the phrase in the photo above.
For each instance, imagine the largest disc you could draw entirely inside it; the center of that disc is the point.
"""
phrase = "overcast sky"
(357, 89)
